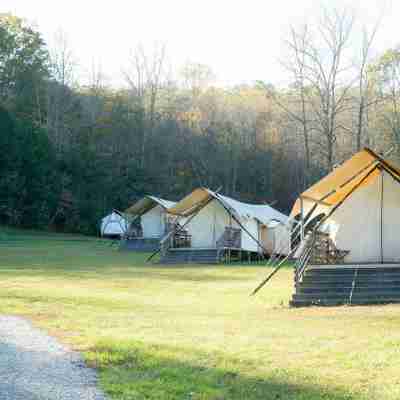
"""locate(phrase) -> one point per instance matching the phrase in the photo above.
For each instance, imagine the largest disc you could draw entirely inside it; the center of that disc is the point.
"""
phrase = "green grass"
(194, 332)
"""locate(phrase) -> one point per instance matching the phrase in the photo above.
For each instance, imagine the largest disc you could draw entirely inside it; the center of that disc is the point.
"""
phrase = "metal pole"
(381, 222)
(301, 218)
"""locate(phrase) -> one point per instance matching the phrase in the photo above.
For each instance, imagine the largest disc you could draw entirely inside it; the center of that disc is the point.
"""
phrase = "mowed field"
(194, 332)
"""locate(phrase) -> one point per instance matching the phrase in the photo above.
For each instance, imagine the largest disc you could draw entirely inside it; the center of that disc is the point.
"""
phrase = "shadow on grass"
(77, 274)
(137, 371)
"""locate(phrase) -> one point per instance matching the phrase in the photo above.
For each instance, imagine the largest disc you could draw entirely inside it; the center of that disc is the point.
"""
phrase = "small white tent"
(154, 216)
(212, 214)
(113, 225)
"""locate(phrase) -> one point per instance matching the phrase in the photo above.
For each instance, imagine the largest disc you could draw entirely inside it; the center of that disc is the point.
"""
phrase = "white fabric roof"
(195, 200)
(262, 212)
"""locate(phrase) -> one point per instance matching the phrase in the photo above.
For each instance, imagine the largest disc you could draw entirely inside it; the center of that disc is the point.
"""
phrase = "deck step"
(340, 302)
(334, 285)
(195, 256)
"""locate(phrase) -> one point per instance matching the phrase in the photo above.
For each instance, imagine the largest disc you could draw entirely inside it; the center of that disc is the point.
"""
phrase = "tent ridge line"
(382, 161)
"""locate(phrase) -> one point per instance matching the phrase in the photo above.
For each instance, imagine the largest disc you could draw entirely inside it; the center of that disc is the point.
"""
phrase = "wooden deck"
(140, 244)
(206, 255)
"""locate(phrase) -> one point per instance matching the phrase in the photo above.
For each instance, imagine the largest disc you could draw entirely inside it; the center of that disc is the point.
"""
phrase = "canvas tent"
(113, 225)
(154, 216)
(360, 205)
(210, 214)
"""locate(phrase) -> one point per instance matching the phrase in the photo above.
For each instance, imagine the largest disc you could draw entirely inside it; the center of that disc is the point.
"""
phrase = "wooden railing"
(318, 249)
(231, 238)
(304, 258)
(325, 251)
(175, 239)
(182, 239)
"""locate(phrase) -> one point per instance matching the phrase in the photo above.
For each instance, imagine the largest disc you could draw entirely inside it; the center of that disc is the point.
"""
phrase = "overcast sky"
(240, 40)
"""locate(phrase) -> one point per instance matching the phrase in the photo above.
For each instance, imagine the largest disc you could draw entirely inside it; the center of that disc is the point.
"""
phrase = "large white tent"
(113, 225)
(209, 214)
(360, 201)
(154, 215)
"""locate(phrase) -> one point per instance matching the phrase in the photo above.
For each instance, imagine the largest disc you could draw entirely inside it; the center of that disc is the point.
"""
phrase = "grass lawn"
(194, 332)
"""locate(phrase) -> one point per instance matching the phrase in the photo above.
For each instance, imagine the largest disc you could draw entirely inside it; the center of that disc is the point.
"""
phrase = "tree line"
(72, 152)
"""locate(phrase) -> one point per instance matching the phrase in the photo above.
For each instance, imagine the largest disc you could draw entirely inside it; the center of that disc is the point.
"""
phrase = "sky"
(242, 41)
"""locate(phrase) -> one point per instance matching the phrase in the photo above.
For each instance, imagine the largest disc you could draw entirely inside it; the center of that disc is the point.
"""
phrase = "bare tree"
(60, 99)
(295, 102)
(387, 70)
(63, 60)
(321, 69)
(366, 97)
(197, 77)
(145, 79)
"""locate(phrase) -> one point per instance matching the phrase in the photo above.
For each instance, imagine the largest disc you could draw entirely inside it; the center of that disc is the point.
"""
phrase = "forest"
(71, 152)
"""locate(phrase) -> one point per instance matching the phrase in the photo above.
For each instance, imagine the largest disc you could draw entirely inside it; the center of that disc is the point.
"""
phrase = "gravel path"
(35, 366)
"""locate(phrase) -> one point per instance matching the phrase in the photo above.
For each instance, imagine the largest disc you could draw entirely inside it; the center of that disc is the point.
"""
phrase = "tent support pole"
(301, 219)
(381, 224)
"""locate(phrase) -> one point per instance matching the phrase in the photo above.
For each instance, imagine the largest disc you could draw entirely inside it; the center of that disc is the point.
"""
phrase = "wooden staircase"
(348, 284)
(190, 255)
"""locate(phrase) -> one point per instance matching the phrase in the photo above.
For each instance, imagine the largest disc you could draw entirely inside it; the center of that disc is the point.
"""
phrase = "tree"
(320, 66)
(145, 80)
(28, 175)
(197, 77)
(24, 68)
(63, 106)
(366, 95)
(387, 71)
(295, 102)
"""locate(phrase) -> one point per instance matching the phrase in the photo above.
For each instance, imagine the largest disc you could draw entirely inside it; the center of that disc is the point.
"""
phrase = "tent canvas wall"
(113, 225)
(212, 213)
(153, 222)
(368, 223)
(361, 201)
(276, 237)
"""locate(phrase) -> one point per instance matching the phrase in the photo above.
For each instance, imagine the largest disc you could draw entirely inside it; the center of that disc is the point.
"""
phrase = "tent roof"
(197, 199)
(147, 203)
(334, 187)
